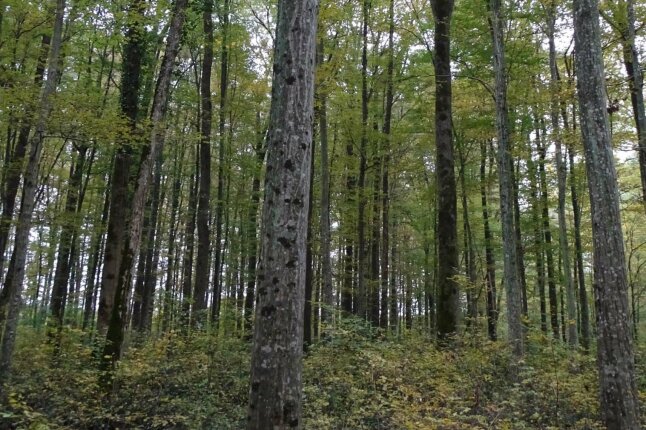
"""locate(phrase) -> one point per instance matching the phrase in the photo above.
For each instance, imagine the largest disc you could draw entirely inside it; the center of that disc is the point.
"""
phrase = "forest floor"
(354, 379)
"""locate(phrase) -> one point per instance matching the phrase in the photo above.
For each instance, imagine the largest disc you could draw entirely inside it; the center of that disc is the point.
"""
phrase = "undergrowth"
(355, 378)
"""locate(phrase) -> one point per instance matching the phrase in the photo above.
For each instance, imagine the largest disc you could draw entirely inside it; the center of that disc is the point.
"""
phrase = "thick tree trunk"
(121, 196)
(115, 333)
(16, 273)
(447, 233)
(617, 386)
(275, 394)
(505, 166)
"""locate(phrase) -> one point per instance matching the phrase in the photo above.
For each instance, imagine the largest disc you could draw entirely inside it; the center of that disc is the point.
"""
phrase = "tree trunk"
(16, 273)
(13, 168)
(327, 311)
(115, 333)
(547, 235)
(275, 396)
(219, 208)
(572, 334)
(490, 273)
(204, 195)
(66, 240)
(447, 234)
(385, 185)
(505, 166)
(361, 294)
(121, 197)
(617, 386)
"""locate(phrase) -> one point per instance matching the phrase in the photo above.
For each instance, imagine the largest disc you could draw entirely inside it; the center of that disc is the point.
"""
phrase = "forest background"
(133, 135)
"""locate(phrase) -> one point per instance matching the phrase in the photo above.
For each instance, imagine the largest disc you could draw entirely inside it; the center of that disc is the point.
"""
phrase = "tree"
(447, 233)
(17, 266)
(617, 387)
(275, 391)
(505, 168)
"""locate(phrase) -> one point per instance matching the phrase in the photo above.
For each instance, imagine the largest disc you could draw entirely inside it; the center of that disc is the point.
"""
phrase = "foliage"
(354, 378)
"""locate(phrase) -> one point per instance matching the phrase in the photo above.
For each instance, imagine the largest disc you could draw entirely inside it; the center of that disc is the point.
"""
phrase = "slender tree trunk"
(327, 311)
(617, 386)
(362, 293)
(189, 251)
(547, 235)
(16, 273)
(447, 233)
(170, 268)
(578, 249)
(520, 251)
(275, 394)
(505, 166)
(66, 240)
(385, 184)
(561, 169)
(219, 211)
(13, 168)
(204, 196)
(490, 273)
(538, 241)
(95, 247)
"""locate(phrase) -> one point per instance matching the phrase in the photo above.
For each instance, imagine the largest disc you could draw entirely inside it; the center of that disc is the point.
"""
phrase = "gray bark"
(617, 387)
(275, 394)
(512, 283)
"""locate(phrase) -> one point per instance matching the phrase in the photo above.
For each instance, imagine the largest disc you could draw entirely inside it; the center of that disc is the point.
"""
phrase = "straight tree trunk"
(276, 362)
(490, 272)
(447, 234)
(617, 386)
(561, 169)
(505, 166)
(327, 311)
(219, 206)
(547, 235)
(361, 295)
(578, 249)
(66, 241)
(539, 244)
(16, 273)
(204, 195)
(385, 184)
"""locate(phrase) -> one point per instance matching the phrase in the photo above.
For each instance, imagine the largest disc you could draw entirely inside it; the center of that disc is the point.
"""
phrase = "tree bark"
(447, 234)
(617, 386)
(490, 273)
(275, 394)
(219, 208)
(505, 166)
(204, 195)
